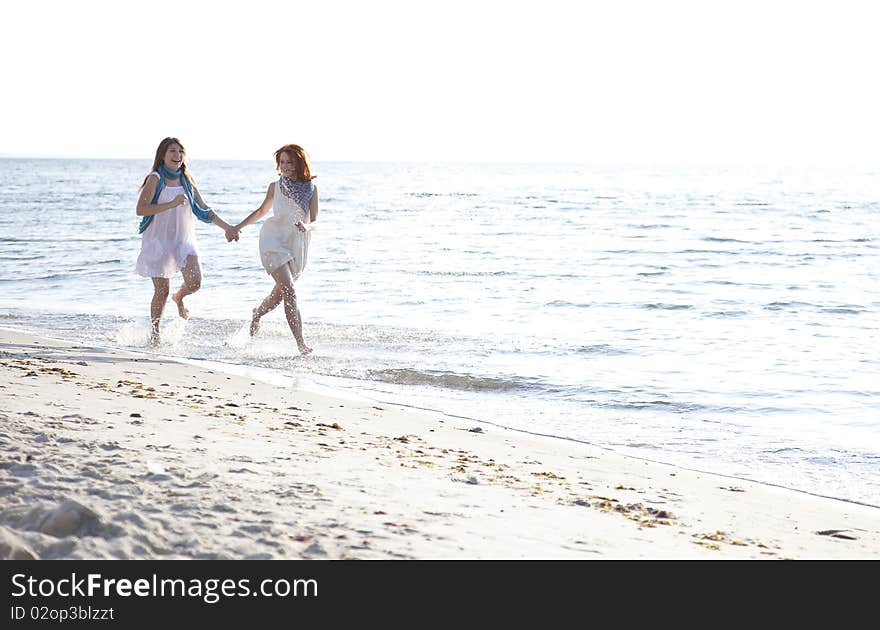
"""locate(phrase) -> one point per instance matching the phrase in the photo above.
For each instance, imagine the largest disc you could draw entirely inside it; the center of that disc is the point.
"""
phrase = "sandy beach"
(105, 454)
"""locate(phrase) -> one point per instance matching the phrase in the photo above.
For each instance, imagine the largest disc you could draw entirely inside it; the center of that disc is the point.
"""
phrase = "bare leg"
(192, 281)
(271, 301)
(157, 305)
(284, 283)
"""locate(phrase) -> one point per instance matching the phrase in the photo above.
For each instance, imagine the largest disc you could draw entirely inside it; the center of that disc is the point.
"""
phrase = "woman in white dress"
(168, 200)
(285, 237)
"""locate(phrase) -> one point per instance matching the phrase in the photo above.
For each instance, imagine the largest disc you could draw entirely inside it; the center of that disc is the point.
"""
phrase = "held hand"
(231, 234)
(302, 227)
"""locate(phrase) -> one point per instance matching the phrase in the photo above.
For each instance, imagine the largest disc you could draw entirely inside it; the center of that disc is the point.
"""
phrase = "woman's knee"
(192, 274)
(192, 278)
(288, 293)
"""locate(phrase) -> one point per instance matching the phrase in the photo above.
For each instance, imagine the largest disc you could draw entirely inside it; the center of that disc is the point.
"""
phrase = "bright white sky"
(666, 81)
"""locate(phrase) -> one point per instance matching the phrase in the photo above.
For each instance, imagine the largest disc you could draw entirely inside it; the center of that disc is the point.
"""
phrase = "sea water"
(719, 319)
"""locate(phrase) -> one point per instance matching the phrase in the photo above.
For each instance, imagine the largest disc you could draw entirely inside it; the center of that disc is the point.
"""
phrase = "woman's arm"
(257, 214)
(197, 196)
(145, 208)
(313, 206)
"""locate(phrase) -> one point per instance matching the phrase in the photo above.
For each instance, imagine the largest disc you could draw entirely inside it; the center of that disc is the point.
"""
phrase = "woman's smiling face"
(287, 165)
(174, 156)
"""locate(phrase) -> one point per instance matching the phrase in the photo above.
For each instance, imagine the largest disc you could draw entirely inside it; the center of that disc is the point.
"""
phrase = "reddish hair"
(300, 157)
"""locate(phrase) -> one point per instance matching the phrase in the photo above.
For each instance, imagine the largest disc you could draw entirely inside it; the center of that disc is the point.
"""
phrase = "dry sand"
(105, 454)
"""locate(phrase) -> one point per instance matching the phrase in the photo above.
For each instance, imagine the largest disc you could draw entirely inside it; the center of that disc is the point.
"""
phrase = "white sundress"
(281, 242)
(169, 239)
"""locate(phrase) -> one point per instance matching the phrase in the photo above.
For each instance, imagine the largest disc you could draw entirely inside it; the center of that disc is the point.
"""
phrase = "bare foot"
(304, 349)
(255, 324)
(154, 339)
(181, 309)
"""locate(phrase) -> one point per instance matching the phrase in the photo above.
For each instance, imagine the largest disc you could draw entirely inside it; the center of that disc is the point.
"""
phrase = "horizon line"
(717, 163)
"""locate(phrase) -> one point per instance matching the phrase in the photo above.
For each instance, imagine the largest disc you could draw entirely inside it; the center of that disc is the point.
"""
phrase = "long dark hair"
(161, 150)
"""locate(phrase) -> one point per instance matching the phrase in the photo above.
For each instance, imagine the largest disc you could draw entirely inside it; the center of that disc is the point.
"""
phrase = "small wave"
(652, 273)
(602, 348)
(638, 404)
(53, 276)
(79, 272)
(12, 239)
(668, 307)
(430, 194)
(708, 251)
(724, 314)
(461, 274)
(718, 239)
(843, 310)
(666, 405)
(91, 265)
(778, 306)
(566, 303)
(21, 258)
(448, 380)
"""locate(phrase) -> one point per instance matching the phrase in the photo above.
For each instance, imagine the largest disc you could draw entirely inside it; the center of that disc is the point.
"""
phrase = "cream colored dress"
(169, 240)
(281, 242)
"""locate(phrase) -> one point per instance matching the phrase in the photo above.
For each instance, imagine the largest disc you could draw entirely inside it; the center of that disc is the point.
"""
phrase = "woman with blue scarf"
(168, 201)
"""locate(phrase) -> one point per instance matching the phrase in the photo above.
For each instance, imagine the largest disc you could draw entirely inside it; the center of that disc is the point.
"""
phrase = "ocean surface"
(719, 319)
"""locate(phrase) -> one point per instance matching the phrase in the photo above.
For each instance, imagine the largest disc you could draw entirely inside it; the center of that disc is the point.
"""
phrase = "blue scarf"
(202, 214)
(300, 192)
